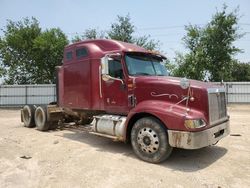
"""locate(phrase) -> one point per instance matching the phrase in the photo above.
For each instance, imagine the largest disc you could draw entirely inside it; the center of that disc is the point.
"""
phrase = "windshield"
(142, 64)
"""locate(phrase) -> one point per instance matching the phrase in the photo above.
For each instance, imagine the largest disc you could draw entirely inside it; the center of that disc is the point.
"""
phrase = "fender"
(171, 115)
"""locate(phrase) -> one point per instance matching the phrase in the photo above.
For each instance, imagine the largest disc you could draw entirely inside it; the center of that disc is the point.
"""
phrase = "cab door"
(114, 88)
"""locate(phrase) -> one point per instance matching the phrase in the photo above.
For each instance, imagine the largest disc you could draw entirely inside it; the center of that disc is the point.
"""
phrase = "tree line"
(28, 54)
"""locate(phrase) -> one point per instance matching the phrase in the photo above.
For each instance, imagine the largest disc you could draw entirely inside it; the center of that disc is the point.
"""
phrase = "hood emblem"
(153, 94)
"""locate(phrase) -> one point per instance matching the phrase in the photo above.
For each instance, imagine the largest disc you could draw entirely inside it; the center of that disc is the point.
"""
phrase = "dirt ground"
(65, 158)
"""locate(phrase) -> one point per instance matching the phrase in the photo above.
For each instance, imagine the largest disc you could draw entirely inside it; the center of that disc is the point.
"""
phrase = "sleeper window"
(69, 56)
(81, 52)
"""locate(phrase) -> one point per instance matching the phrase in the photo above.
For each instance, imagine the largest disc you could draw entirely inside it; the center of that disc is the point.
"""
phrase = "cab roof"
(99, 47)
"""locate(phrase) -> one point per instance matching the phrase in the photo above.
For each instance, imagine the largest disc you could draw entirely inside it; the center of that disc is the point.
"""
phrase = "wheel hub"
(148, 140)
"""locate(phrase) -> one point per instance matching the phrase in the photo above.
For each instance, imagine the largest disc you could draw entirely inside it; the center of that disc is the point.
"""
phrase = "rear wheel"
(149, 140)
(53, 125)
(28, 116)
(41, 120)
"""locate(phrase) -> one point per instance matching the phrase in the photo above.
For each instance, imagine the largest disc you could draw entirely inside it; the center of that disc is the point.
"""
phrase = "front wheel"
(149, 140)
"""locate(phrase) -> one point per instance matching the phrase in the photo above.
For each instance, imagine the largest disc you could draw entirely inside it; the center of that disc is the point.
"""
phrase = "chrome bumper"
(196, 140)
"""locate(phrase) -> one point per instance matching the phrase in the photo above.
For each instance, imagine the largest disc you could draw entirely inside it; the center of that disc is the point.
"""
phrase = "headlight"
(194, 123)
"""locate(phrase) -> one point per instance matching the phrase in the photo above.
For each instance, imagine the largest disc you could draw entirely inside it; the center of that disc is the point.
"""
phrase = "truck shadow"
(180, 159)
(194, 160)
(101, 144)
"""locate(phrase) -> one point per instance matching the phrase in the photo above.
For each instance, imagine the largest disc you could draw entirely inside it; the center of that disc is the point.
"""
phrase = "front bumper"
(196, 140)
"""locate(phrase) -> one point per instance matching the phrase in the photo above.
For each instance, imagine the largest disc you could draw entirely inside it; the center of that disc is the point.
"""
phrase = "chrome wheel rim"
(148, 140)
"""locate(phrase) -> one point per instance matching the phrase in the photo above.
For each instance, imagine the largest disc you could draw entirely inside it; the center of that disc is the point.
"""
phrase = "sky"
(163, 20)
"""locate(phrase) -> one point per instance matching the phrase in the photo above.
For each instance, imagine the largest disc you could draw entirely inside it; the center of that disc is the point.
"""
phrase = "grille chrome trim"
(217, 105)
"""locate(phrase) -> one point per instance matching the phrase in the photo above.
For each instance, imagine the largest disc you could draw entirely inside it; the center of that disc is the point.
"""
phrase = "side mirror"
(105, 65)
(105, 62)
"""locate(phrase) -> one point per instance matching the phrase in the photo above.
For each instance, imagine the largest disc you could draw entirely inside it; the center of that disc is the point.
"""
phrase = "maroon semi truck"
(127, 95)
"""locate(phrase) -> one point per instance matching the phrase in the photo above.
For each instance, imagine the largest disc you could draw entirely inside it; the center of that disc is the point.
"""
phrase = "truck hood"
(167, 80)
(168, 89)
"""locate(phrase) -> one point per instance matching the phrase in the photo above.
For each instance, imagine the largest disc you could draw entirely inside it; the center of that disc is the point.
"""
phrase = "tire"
(41, 119)
(53, 125)
(27, 114)
(150, 141)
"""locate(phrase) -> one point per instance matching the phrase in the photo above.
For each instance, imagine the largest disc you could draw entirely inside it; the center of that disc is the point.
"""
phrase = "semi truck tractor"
(122, 91)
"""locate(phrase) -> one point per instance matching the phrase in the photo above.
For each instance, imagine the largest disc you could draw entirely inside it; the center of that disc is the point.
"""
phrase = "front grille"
(217, 105)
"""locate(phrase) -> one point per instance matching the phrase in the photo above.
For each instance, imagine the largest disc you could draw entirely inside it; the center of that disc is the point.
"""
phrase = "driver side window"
(115, 69)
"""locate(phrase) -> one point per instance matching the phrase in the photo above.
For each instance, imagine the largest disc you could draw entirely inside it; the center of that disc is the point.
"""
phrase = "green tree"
(122, 30)
(76, 38)
(27, 54)
(241, 71)
(211, 48)
(16, 49)
(89, 34)
(147, 43)
(2, 71)
(48, 53)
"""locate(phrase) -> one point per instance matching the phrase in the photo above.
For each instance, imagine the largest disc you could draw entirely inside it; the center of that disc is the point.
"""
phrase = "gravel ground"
(67, 158)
